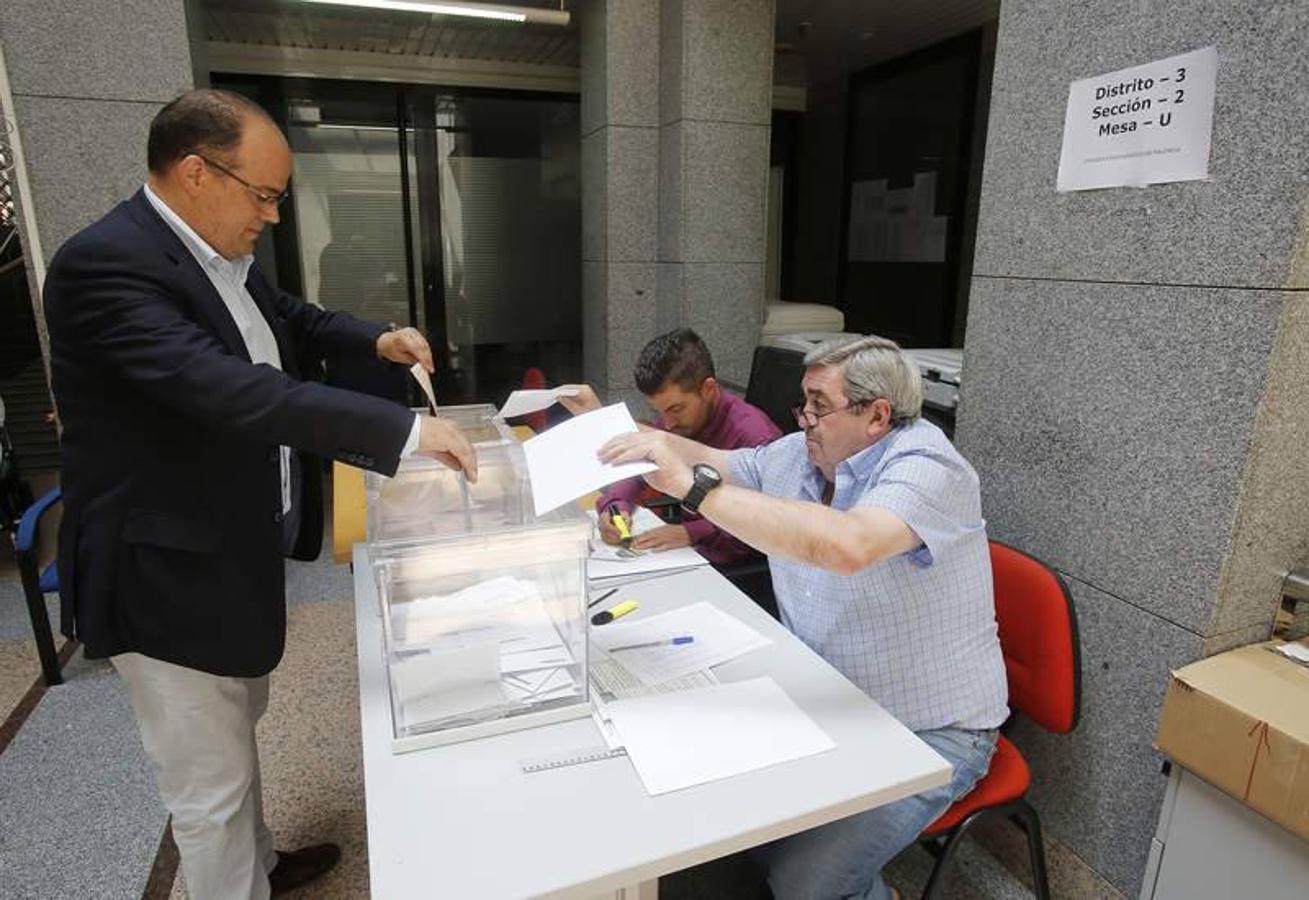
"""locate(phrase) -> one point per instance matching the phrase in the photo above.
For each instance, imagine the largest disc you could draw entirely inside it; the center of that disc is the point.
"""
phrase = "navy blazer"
(171, 540)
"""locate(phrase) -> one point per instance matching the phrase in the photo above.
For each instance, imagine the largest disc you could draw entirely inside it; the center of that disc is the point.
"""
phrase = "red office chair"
(1038, 637)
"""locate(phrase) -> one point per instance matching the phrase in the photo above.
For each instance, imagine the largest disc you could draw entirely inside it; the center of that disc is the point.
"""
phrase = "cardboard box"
(1240, 720)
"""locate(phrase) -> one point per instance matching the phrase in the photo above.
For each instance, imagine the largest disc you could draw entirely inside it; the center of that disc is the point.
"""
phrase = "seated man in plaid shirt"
(872, 524)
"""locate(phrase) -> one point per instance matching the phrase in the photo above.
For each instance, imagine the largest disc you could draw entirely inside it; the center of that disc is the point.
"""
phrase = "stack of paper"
(716, 638)
(681, 739)
(608, 561)
(611, 680)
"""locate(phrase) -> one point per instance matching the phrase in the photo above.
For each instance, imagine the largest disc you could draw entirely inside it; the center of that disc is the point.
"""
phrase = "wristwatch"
(706, 479)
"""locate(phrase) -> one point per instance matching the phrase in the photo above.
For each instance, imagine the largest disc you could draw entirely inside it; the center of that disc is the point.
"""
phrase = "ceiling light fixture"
(493, 11)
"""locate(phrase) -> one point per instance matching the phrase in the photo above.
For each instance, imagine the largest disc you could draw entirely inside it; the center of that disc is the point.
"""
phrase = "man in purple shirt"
(676, 374)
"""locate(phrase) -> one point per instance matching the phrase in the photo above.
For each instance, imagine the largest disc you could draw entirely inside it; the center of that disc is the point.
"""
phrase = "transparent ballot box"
(484, 632)
(477, 421)
(427, 499)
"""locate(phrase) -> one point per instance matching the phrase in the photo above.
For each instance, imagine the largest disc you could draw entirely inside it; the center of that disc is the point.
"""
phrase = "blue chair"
(37, 582)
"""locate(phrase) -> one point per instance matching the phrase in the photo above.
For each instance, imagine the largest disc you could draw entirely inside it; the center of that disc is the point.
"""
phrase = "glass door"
(501, 236)
(455, 211)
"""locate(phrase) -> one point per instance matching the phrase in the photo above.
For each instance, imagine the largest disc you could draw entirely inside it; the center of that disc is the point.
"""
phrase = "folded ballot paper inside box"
(484, 633)
(1240, 720)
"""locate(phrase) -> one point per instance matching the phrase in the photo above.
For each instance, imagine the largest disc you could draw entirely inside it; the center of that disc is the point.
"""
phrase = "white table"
(463, 820)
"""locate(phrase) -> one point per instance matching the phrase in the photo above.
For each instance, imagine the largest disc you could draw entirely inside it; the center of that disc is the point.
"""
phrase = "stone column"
(83, 81)
(1135, 395)
(715, 110)
(86, 79)
(620, 184)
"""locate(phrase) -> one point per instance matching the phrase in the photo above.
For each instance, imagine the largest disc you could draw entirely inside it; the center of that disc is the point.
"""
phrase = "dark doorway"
(909, 143)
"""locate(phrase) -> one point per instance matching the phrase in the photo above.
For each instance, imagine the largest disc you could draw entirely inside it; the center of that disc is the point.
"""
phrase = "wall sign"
(1143, 125)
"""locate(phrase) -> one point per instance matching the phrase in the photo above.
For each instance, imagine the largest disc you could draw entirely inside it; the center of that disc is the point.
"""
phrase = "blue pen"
(670, 642)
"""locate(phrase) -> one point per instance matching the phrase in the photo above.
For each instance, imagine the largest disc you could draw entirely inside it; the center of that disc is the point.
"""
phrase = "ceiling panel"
(816, 39)
(291, 24)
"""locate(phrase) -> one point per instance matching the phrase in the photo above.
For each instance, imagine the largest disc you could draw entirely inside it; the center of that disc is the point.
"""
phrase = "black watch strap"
(694, 497)
(706, 479)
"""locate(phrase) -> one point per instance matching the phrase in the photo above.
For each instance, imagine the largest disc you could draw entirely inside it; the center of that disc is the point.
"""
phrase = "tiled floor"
(309, 746)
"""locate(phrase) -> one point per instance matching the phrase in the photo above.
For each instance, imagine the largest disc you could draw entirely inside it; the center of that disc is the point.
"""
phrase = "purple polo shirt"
(735, 424)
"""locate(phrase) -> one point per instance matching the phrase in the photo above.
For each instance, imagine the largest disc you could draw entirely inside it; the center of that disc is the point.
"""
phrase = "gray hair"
(874, 368)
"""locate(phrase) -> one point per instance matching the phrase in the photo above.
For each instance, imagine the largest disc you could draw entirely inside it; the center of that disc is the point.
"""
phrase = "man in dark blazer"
(176, 374)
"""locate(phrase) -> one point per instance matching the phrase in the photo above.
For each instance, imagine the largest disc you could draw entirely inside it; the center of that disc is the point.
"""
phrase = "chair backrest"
(1038, 637)
(774, 384)
(29, 526)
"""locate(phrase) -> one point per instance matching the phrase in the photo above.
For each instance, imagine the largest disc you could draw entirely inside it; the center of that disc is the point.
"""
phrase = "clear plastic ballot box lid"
(427, 499)
(477, 421)
(484, 632)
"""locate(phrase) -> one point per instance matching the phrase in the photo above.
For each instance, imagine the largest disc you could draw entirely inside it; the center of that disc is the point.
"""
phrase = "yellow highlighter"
(624, 533)
(617, 611)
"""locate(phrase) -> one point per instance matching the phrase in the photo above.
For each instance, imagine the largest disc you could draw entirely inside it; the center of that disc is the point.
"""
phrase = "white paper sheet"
(687, 738)
(1142, 125)
(520, 403)
(719, 637)
(562, 462)
(424, 379)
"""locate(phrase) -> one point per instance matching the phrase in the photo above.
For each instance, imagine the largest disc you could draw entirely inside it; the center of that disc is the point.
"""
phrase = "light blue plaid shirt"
(917, 631)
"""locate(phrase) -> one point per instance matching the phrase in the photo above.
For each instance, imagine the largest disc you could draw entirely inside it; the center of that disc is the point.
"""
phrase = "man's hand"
(441, 439)
(583, 401)
(665, 537)
(407, 345)
(674, 476)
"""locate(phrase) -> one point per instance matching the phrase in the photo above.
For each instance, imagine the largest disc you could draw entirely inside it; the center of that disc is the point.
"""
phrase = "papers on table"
(686, 738)
(608, 561)
(719, 637)
(424, 379)
(562, 462)
(610, 681)
(520, 403)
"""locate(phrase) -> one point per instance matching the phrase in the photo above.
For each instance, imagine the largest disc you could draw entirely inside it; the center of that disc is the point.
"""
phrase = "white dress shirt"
(228, 277)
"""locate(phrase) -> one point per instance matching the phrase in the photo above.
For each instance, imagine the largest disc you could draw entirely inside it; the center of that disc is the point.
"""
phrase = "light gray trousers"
(199, 732)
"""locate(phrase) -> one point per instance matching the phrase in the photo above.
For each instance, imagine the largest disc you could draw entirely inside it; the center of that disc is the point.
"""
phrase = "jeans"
(845, 858)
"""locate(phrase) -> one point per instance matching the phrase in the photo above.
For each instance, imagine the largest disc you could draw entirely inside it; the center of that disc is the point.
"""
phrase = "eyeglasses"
(806, 418)
(262, 196)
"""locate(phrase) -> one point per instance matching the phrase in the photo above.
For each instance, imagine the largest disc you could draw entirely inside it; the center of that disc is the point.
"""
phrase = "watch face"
(706, 475)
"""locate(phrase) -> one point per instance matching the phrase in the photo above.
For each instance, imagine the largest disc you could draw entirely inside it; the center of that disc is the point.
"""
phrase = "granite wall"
(1134, 397)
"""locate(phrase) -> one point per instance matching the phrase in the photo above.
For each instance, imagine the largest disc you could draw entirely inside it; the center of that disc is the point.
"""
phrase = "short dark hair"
(679, 357)
(205, 120)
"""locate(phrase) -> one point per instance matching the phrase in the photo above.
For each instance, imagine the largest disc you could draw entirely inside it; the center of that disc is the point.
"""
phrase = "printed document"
(718, 638)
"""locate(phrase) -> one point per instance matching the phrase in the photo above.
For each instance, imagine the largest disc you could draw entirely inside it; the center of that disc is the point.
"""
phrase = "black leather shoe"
(299, 867)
